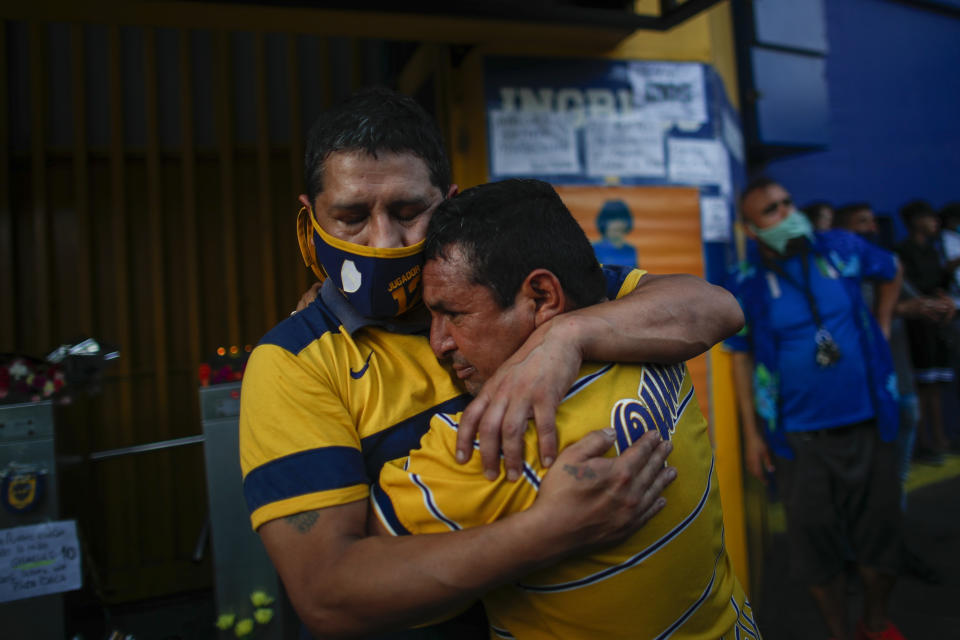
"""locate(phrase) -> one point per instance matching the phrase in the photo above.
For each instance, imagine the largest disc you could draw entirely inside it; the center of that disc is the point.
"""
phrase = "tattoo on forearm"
(580, 472)
(303, 521)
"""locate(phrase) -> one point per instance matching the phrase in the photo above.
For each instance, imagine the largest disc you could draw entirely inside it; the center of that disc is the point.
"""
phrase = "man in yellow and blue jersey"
(346, 384)
(491, 277)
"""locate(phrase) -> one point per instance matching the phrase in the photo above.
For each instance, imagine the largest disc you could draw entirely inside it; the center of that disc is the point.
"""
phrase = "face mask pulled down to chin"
(795, 225)
(379, 283)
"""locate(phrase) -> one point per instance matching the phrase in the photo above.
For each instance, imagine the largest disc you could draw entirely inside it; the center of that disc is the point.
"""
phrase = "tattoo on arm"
(303, 521)
(579, 472)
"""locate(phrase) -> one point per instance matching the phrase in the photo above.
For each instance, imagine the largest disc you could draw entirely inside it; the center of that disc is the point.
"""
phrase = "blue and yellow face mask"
(379, 283)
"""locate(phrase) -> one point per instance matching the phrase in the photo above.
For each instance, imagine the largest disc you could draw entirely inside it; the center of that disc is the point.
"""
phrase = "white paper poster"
(714, 219)
(693, 161)
(39, 559)
(533, 143)
(624, 145)
(668, 91)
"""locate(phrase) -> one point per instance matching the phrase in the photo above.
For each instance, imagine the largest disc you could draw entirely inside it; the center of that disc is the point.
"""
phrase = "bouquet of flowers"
(26, 379)
(69, 369)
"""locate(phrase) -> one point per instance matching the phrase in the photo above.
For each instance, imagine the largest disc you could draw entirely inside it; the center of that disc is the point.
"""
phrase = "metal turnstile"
(241, 565)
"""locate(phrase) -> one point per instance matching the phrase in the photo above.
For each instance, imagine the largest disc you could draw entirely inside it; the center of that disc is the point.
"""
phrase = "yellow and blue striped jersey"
(325, 403)
(673, 578)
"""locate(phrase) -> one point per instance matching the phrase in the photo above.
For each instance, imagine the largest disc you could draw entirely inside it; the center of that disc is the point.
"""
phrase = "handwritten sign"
(668, 91)
(714, 219)
(39, 559)
(624, 145)
(697, 161)
(533, 143)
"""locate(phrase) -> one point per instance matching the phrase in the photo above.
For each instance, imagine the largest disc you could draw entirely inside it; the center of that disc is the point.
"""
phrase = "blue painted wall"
(893, 74)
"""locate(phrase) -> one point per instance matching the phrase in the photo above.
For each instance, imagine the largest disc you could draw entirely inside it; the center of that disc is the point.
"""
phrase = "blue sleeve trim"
(614, 277)
(398, 440)
(385, 507)
(303, 473)
(302, 328)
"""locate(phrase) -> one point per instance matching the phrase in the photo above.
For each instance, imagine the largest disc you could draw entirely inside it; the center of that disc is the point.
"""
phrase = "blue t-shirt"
(815, 397)
(790, 391)
(606, 253)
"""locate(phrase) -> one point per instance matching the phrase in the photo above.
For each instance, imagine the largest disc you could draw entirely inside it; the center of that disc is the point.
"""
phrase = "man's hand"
(308, 297)
(939, 308)
(945, 308)
(600, 501)
(757, 457)
(529, 384)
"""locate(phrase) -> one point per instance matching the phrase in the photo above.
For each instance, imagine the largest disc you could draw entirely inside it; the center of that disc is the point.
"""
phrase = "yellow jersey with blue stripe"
(326, 401)
(673, 578)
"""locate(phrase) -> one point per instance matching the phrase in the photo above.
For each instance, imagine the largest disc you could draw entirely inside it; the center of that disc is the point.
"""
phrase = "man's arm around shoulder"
(666, 319)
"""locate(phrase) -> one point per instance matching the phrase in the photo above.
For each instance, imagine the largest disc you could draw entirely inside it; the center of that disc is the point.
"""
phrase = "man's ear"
(454, 190)
(542, 288)
(305, 201)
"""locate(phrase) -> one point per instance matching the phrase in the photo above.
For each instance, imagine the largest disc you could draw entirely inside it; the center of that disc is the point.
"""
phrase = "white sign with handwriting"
(533, 143)
(697, 161)
(669, 91)
(714, 219)
(624, 145)
(39, 559)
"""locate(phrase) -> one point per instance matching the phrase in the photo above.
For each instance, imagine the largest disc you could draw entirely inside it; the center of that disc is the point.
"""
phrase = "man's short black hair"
(761, 182)
(507, 229)
(842, 216)
(375, 120)
(950, 213)
(915, 209)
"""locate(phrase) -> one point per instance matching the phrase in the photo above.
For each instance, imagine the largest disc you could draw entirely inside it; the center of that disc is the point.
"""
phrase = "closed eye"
(408, 215)
(440, 310)
(348, 215)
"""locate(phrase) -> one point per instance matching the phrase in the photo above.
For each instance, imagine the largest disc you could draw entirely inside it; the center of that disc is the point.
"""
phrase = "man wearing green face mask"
(813, 366)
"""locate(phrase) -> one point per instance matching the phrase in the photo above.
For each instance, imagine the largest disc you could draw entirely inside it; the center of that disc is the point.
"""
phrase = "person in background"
(859, 218)
(813, 368)
(925, 272)
(950, 243)
(950, 217)
(614, 221)
(820, 215)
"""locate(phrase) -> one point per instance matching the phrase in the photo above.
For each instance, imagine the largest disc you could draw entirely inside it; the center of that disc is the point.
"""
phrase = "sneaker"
(889, 633)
